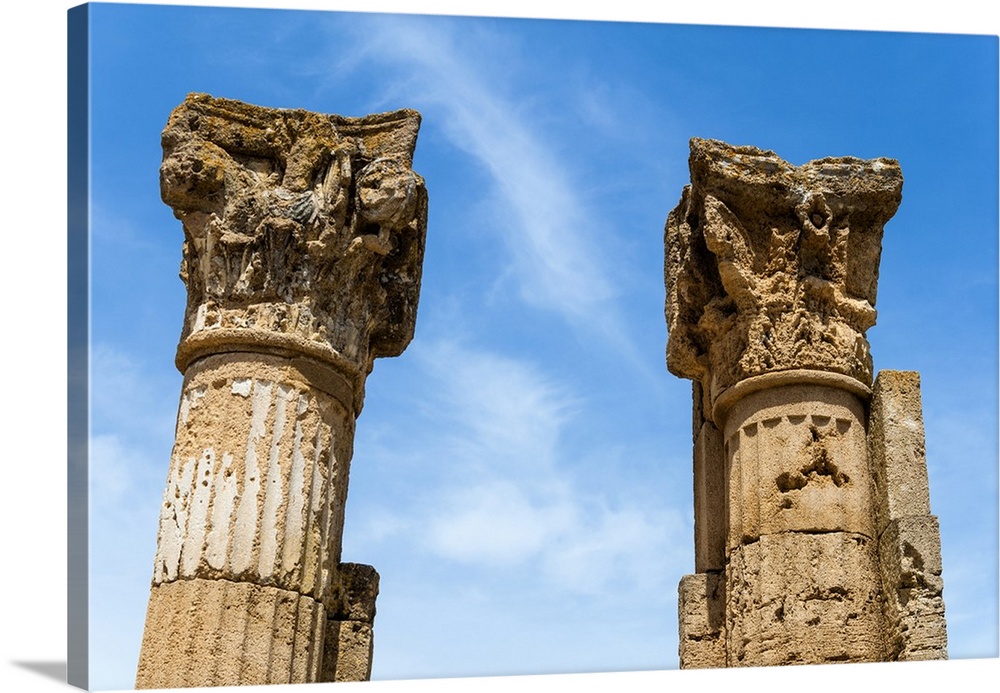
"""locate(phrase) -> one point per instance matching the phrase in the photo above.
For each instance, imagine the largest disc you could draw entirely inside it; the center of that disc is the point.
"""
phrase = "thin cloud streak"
(547, 225)
(499, 435)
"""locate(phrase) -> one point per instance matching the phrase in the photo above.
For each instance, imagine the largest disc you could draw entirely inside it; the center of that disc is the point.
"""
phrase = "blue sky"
(522, 473)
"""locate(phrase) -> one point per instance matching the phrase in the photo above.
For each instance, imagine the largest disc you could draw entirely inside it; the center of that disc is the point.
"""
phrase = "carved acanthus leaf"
(773, 267)
(298, 226)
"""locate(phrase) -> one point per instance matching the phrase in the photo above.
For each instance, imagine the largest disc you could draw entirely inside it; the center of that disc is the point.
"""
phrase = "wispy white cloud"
(497, 524)
(110, 476)
(504, 492)
(126, 395)
(637, 546)
(546, 220)
(132, 430)
(505, 408)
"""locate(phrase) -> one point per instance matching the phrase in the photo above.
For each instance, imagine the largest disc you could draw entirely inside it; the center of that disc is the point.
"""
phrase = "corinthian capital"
(304, 232)
(773, 267)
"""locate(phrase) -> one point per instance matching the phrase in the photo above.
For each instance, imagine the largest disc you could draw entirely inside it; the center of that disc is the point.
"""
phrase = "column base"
(221, 633)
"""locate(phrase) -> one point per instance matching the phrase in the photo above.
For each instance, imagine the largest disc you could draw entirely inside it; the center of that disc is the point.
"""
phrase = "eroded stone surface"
(710, 526)
(221, 633)
(896, 446)
(348, 655)
(258, 477)
(702, 607)
(798, 598)
(811, 503)
(797, 463)
(770, 266)
(909, 537)
(910, 554)
(303, 231)
(358, 589)
(303, 241)
(349, 641)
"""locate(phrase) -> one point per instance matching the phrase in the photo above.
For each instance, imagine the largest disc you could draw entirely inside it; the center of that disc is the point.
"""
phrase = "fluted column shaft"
(303, 241)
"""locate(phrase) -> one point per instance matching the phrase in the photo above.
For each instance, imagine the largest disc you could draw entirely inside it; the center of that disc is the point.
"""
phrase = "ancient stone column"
(771, 274)
(303, 242)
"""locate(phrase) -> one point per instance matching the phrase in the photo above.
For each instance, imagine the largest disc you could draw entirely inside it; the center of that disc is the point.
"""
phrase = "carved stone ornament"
(304, 233)
(773, 267)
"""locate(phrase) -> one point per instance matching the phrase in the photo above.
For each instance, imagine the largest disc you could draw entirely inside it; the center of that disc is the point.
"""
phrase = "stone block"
(358, 590)
(910, 558)
(347, 654)
(896, 447)
(702, 609)
(799, 598)
(709, 500)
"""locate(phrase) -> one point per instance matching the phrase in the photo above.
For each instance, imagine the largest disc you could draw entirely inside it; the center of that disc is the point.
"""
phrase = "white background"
(32, 504)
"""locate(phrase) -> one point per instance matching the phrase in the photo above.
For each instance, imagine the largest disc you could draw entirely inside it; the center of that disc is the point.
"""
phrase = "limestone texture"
(221, 633)
(349, 634)
(797, 463)
(710, 528)
(303, 241)
(773, 267)
(804, 598)
(702, 608)
(909, 536)
(814, 541)
(303, 233)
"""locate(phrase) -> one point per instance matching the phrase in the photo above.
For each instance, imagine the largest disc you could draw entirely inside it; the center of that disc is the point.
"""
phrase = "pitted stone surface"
(222, 633)
(812, 516)
(797, 462)
(357, 591)
(909, 537)
(770, 266)
(258, 478)
(348, 655)
(302, 231)
(896, 446)
(910, 554)
(702, 607)
(349, 635)
(797, 598)
(303, 241)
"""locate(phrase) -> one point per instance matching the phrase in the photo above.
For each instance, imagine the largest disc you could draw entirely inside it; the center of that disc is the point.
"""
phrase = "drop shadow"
(55, 670)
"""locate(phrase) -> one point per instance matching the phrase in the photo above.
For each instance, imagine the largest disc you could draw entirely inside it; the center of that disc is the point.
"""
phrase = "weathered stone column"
(303, 242)
(771, 274)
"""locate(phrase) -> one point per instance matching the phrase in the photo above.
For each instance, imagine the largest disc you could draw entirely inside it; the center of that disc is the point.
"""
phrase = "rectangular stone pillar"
(348, 647)
(702, 596)
(709, 500)
(908, 535)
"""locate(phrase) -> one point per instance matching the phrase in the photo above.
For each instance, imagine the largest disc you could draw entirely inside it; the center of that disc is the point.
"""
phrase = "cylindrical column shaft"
(203, 632)
(256, 494)
(803, 580)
